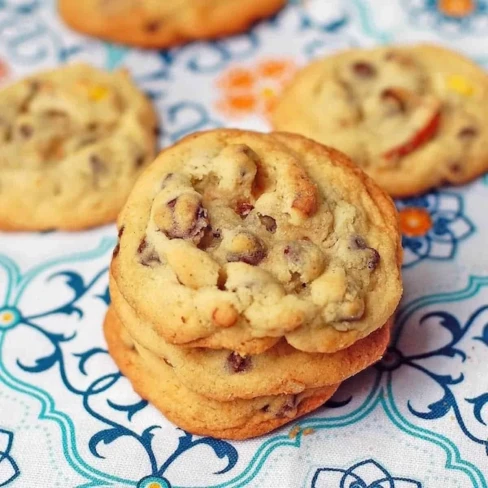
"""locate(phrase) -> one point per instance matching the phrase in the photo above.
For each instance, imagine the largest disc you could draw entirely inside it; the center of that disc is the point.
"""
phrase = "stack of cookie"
(253, 273)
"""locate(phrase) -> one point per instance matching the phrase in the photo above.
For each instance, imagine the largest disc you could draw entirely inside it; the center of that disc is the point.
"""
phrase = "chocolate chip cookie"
(235, 240)
(164, 23)
(72, 143)
(225, 375)
(236, 419)
(412, 117)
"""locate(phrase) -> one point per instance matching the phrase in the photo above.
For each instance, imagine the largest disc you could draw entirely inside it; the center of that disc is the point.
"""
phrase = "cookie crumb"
(308, 431)
(294, 432)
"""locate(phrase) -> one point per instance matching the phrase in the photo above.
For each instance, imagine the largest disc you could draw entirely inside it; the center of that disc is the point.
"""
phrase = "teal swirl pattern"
(424, 401)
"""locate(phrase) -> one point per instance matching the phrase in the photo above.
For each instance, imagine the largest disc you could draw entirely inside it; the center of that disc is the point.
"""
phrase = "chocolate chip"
(210, 238)
(121, 231)
(139, 160)
(364, 69)
(374, 259)
(358, 243)
(244, 208)
(238, 363)
(183, 217)
(468, 132)
(253, 258)
(287, 408)
(148, 255)
(26, 130)
(253, 254)
(142, 246)
(153, 26)
(116, 250)
(265, 409)
(268, 222)
(199, 225)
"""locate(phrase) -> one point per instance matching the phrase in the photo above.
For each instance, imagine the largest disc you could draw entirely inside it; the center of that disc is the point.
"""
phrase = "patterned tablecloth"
(418, 419)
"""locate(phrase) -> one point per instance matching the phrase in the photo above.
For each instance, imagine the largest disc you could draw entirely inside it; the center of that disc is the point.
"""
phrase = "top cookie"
(412, 117)
(164, 23)
(72, 142)
(249, 236)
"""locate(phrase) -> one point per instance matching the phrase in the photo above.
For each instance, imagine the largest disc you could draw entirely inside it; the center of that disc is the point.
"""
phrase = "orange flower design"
(457, 8)
(247, 91)
(415, 222)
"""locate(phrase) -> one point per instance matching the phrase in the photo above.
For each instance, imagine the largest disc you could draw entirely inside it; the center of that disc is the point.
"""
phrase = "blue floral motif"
(366, 474)
(446, 226)
(99, 387)
(8, 467)
(153, 482)
(430, 14)
(26, 35)
(327, 17)
(423, 363)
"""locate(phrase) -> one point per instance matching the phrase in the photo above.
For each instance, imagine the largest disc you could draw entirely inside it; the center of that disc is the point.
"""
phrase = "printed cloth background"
(418, 419)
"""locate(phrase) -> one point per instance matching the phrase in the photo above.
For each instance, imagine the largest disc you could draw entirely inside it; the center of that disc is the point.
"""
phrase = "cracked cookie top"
(412, 117)
(236, 239)
(72, 142)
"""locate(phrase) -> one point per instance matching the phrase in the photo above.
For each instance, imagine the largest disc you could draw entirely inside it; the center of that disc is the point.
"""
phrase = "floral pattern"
(364, 474)
(253, 91)
(432, 226)
(417, 419)
(48, 352)
(8, 468)
(449, 17)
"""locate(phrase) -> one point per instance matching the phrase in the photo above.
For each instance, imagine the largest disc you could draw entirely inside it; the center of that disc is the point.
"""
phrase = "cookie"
(412, 117)
(247, 236)
(225, 375)
(238, 419)
(73, 141)
(164, 23)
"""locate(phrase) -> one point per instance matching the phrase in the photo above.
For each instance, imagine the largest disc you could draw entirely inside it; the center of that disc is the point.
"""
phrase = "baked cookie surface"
(235, 239)
(236, 419)
(72, 143)
(164, 23)
(412, 117)
(225, 375)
